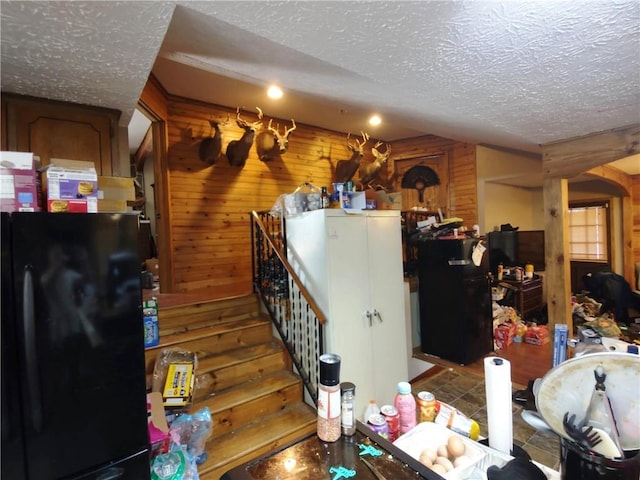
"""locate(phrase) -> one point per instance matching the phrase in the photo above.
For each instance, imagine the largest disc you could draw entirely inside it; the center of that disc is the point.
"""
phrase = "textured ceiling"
(515, 74)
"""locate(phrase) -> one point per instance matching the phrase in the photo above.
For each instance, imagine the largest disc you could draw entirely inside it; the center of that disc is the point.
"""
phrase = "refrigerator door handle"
(28, 311)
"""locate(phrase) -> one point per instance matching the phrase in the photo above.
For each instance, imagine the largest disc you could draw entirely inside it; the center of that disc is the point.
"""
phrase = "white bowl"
(432, 435)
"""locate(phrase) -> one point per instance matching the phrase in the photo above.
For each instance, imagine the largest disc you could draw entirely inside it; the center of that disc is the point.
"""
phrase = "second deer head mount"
(211, 146)
(368, 171)
(238, 150)
(346, 169)
(270, 144)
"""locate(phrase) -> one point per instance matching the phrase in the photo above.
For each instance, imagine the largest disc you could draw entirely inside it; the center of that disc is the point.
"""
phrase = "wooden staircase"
(244, 376)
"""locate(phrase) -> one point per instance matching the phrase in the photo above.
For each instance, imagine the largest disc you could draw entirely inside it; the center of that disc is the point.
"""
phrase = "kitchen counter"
(311, 458)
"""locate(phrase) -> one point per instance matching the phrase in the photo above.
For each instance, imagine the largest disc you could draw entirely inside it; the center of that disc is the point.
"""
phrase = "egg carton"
(432, 435)
(500, 459)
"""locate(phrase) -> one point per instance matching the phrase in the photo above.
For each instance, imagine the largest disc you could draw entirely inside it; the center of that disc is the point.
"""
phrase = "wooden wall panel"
(210, 205)
(635, 200)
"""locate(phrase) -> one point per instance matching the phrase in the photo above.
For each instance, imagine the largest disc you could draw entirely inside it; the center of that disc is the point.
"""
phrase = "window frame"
(606, 205)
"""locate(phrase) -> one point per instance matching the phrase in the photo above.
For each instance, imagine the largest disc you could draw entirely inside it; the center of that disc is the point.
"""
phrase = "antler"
(289, 130)
(244, 125)
(358, 146)
(271, 129)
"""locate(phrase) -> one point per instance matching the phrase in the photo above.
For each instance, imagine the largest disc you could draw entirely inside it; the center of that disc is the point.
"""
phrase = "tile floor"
(466, 392)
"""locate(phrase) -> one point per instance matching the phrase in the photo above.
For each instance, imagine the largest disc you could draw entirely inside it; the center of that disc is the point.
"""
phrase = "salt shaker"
(329, 407)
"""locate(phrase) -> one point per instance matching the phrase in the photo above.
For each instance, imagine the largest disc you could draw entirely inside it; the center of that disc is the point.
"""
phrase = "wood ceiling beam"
(569, 158)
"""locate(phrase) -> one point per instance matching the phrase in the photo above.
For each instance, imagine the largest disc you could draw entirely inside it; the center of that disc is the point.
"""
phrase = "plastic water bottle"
(372, 409)
(405, 402)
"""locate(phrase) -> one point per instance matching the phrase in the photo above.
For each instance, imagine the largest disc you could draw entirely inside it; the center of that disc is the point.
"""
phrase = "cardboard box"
(537, 335)
(503, 335)
(150, 321)
(178, 387)
(72, 206)
(71, 181)
(157, 425)
(18, 182)
(112, 206)
(116, 188)
(560, 334)
(353, 200)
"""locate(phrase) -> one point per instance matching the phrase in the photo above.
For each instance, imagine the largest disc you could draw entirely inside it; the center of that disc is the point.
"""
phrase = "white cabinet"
(352, 266)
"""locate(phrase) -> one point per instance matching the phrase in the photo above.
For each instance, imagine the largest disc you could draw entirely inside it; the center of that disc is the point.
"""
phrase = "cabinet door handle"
(369, 317)
(377, 314)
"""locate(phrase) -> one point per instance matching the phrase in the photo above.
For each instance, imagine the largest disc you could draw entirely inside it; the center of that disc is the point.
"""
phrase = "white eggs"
(461, 461)
(455, 446)
(446, 457)
(428, 456)
(442, 451)
(439, 469)
(445, 462)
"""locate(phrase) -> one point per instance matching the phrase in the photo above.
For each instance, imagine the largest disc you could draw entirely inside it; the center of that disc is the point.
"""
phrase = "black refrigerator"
(456, 321)
(73, 374)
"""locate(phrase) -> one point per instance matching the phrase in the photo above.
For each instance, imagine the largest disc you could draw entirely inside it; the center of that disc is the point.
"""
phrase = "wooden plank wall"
(635, 198)
(210, 205)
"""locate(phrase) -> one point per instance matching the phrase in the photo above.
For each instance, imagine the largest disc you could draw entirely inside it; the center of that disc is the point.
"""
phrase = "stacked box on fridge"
(69, 186)
(150, 319)
(18, 182)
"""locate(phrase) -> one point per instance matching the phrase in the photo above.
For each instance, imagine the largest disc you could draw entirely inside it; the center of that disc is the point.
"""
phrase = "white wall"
(500, 203)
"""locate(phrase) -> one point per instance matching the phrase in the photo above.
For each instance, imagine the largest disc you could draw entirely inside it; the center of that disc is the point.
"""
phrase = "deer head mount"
(346, 169)
(369, 171)
(211, 146)
(238, 150)
(270, 144)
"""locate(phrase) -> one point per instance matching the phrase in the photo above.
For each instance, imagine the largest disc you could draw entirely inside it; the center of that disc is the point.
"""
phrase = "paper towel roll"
(497, 382)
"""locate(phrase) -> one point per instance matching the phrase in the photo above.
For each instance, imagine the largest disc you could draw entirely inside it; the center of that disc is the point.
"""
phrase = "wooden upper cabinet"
(53, 129)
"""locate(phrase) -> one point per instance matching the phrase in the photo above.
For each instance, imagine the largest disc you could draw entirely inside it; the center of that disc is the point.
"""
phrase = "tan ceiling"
(515, 74)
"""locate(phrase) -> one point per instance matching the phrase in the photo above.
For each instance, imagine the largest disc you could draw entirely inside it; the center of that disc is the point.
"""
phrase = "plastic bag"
(278, 207)
(175, 465)
(192, 432)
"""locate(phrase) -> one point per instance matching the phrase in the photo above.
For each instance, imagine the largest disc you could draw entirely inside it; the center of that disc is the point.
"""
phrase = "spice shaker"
(348, 419)
(329, 407)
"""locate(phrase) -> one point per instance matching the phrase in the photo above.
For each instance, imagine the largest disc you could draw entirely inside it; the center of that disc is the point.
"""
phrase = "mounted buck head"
(369, 171)
(346, 169)
(238, 150)
(270, 145)
(211, 146)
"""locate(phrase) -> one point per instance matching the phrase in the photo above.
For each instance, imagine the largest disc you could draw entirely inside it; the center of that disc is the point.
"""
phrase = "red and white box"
(18, 182)
(70, 186)
(503, 335)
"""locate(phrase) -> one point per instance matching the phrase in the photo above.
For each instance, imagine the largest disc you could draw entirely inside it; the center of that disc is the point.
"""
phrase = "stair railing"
(292, 309)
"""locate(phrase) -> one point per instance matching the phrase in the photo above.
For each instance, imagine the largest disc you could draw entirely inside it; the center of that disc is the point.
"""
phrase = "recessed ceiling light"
(375, 120)
(274, 92)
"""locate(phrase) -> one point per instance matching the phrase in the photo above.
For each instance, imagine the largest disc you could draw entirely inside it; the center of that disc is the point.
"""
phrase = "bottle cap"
(347, 387)
(330, 369)
(404, 388)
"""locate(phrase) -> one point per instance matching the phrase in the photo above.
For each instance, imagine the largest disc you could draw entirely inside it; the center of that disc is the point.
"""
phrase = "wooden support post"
(557, 272)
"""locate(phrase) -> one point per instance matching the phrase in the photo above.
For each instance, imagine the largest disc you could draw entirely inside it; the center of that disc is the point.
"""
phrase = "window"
(588, 232)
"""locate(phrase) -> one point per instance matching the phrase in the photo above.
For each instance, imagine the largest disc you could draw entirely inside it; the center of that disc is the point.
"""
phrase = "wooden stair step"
(216, 361)
(222, 337)
(217, 372)
(262, 435)
(199, 315)
(257, 398)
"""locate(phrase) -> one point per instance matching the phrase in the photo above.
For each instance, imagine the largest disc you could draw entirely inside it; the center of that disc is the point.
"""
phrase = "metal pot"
(569, 387)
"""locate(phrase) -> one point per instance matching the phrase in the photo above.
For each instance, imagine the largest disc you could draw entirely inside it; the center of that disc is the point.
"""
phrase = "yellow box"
(112, 206)
(178, 387)
(116, 188)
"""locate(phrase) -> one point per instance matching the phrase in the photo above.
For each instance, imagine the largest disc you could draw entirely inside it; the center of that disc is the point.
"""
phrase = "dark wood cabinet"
(527, 296)
(52, 129)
